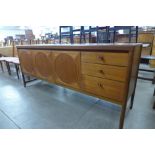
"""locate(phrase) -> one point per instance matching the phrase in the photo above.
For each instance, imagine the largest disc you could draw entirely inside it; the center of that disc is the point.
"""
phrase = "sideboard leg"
(154, 101)
(2, 66)
(17, 70)
(122, 117)
(132, 100)
(23, 77)
(154, 105)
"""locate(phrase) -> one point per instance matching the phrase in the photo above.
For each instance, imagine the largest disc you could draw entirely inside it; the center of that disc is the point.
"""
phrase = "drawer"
(105, 88)
(105, 71)
(109, 58)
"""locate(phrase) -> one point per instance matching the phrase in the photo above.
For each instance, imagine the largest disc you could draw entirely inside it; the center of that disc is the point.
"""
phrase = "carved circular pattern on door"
(43, 65)
(26, 59)
(66, 68)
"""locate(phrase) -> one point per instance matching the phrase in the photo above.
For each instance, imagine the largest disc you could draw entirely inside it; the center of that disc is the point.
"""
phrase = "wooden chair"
(130, 34)
(66, 34)
(147, 40)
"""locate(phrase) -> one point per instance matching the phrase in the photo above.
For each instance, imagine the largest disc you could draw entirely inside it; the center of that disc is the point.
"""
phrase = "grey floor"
(44, 106)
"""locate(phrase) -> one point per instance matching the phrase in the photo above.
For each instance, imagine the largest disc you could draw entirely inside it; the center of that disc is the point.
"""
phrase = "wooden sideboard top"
(92, 46)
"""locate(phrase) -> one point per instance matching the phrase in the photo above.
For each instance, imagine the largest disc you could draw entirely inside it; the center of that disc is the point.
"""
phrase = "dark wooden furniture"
(66, 34)
(107, 71)
(84, 34)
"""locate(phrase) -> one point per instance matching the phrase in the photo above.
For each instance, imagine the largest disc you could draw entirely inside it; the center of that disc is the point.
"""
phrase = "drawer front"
(109, 58)
(105, 71)
(102, 87)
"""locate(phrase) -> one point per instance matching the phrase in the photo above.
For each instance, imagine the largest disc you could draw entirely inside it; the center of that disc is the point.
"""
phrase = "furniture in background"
(14, 61)
(84, 34)
(152, 62)
(129, 34)
(146, 69)
(147, 43)
(147, 40)
(7, 51)
(103, 34)
(106, 71)
(66, 32)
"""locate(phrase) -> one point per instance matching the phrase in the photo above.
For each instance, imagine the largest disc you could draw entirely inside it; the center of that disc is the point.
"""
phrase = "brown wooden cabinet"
(107, 71)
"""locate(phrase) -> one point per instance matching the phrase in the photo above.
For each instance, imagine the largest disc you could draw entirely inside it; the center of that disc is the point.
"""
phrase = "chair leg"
(2, 66)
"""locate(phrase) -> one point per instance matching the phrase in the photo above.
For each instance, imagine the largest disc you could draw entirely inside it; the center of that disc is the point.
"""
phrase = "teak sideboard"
(106, 71)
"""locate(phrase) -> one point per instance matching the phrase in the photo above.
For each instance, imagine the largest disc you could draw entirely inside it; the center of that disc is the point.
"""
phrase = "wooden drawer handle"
(101, 58)
(100, 85)
(101, 71)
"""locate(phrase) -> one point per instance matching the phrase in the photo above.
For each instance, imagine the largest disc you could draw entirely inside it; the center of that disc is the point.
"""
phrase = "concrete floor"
(42, 105)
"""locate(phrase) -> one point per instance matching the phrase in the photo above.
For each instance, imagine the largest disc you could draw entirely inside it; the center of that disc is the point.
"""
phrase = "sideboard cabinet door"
(43, 64)
(67, 68)
(26, 60)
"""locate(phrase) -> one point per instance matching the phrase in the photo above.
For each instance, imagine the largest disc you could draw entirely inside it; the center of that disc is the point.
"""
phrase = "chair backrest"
(65, 34)
(129, 34)
(146, 38)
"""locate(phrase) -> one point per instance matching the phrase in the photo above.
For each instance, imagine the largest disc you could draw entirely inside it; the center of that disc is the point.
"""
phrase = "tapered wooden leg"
(153, 80)
(122, 117)
(17, 70)
(24, 81)
(132, 100)
(154, 101)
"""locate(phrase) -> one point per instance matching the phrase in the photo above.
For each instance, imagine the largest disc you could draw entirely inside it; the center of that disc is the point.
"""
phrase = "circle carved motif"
(27, 63)
(43, 65)
(66, 68)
